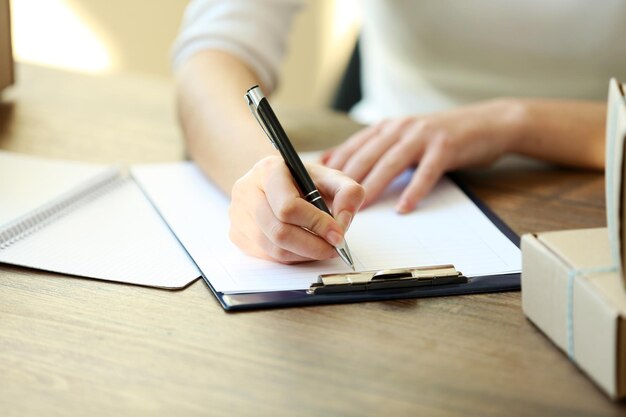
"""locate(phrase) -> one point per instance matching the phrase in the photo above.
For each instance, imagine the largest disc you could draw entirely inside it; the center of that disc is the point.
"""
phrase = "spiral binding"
(64, 204)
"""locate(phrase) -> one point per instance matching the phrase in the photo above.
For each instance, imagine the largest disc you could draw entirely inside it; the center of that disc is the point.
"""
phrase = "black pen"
(260, 108)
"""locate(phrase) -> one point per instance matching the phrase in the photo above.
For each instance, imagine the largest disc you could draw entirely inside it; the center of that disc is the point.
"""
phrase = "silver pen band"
(313, 196)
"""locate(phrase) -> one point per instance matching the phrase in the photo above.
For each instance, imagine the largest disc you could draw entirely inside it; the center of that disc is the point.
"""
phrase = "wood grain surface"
(79, 347)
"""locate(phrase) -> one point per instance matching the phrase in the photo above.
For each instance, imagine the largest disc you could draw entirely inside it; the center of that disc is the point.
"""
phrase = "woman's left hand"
(474, 135)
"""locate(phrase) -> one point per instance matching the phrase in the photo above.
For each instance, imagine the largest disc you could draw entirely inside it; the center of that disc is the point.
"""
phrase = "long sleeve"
(255, 31)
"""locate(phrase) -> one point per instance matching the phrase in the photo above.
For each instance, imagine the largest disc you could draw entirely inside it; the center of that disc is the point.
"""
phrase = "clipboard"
(470, 285)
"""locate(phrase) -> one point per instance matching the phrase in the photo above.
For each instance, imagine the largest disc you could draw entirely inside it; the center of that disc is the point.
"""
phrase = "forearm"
(565, 132)
(222, 136)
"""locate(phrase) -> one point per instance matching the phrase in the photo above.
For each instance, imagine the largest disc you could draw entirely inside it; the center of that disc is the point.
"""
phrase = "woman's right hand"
(269, 219)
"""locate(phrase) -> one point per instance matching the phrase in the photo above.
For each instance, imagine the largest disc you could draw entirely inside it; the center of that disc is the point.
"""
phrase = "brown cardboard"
(596, 301)
(573, 281)
(7, 76)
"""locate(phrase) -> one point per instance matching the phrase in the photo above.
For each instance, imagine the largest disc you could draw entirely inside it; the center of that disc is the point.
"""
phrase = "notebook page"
(447, 228)
(118, 236)
(28, 182)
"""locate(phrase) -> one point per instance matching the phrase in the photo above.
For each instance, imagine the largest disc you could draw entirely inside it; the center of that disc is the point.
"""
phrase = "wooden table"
(80, 347)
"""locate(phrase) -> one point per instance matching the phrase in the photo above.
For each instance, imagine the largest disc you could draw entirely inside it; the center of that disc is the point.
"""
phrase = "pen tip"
(344, 253)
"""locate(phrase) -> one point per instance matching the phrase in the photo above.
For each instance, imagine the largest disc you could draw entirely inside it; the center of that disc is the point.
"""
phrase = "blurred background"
(109, 36)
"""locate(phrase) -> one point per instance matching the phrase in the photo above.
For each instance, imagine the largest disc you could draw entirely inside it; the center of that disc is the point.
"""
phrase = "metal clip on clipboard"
(387, 279)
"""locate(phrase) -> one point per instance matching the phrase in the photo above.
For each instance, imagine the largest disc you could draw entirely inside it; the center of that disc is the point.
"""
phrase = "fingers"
(430, 169)
(325, 157)
(270, 220)
(382, 152)
(258, 232)
(346, 195)
(338, 157)
(284, 200)
(363, 159)
(402, 155)
(435, 143)
(283, 240)
(261, 247)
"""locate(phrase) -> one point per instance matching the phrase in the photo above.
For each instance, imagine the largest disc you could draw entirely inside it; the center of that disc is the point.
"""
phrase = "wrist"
(513, 116)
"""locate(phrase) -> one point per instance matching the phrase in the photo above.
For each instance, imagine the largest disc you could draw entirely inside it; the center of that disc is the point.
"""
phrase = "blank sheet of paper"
(446, 228)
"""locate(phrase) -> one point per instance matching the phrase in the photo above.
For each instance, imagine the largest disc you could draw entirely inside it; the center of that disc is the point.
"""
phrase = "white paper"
(446, 228)
(116, 237)
(28, 182)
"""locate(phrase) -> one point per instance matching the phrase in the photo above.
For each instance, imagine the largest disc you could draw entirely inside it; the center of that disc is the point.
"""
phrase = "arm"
(222, 136)
(268, 217)
(560, 131)
(225, 47)
(565, 132)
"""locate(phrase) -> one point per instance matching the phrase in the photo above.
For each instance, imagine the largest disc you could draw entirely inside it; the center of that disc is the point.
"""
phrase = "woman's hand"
(475, 135)
(269, 219)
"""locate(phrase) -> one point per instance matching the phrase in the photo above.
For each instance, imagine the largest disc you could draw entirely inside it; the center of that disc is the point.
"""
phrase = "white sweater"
(425, 55)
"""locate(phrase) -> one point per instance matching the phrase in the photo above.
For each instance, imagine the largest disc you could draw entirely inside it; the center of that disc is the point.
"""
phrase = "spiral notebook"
(86, 220)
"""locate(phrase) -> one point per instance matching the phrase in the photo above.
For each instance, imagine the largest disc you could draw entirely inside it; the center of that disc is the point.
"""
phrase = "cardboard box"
(583, 312)
(7, 76)
(573, 281)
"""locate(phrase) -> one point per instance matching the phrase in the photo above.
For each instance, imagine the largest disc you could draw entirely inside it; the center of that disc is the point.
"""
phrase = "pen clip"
(255, 112)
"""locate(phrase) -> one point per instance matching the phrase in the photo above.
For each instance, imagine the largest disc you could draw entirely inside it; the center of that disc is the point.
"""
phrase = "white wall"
(104, 36)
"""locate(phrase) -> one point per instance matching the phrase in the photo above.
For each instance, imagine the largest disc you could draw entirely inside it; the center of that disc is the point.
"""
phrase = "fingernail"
(403, 207)
(344, 218)
(334, 238)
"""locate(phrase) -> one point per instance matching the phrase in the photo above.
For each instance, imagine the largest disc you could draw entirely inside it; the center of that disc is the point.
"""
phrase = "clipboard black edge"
(276, 299)
(493, 217)
(296, 298)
